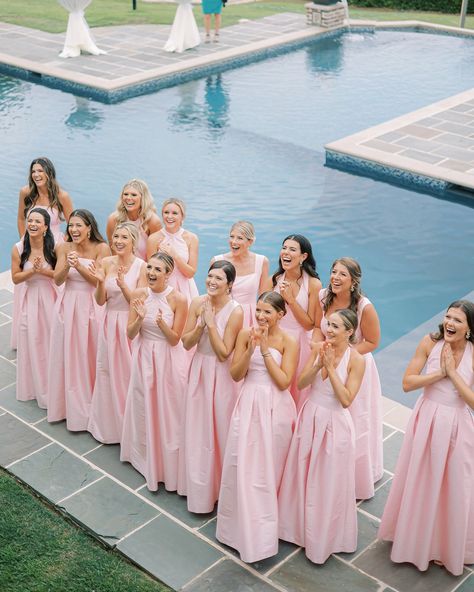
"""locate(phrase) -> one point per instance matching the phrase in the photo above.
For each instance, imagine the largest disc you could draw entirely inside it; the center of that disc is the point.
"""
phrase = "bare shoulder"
(140, 293)
(64, 247)
(177, 297)
(315, 285)
(289, 341)
(356, 358)
(24, 191)
(427, 344)
(102, 250)
(190, 237)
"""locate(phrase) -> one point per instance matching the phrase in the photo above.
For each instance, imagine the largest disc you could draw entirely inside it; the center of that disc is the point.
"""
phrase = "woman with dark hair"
(317, 494)
(429, 514)
(213, 324)
(344, 291)
(297, 281)
(75, 324)
(152, 419)
(251, 268)
(33, 261)
(265, 358)
(117, 277)
(42, 191)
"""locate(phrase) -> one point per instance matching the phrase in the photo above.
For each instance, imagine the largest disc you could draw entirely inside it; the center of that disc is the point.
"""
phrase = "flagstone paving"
(86, 480)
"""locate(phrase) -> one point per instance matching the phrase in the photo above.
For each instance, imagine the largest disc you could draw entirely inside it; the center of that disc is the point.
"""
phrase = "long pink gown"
(18, 290)
(114, 356)
(366, 411)
(429, 514)
(257, 446)
(290, 324)
(317, 503)
(245, 289)
(209, 401)
(152, 419)
(73, 347)
(34, 327)
(187, 286)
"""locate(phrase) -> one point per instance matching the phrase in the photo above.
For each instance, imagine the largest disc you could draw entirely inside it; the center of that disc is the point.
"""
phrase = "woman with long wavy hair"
(33, 262)
(75, 323)
(135, 205)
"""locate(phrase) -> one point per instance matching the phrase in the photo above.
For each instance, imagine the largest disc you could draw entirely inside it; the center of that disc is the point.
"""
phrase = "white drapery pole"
(463, 13)
(78, 35)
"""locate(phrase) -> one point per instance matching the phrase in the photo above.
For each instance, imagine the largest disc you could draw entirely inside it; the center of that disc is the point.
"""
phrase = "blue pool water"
(249, 144)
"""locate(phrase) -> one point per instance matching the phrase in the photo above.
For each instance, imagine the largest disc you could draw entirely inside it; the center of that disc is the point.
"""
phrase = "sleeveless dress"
(429, 514)
(257, 446)
(71, 370)
(209, 401)
(114, 356)
(140, 249)
(317, 495)
(187, 286)
(19, 289)
(245, 289)
(366, 411)
(290, 324)
(34, 328)
(152, 419)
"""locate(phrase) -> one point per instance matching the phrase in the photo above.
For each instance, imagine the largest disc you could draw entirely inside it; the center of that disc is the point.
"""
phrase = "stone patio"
(86, 481)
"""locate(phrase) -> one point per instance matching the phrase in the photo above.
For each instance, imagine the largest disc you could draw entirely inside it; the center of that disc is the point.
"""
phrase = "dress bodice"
(363, 302)
(222, 317)
(443, 391)
(140, 249)
(289, 321)
(322, 392)
(115, 298)
(257, 371)
(154, 302)
(75, 281)
(37, 278)
(245, 287)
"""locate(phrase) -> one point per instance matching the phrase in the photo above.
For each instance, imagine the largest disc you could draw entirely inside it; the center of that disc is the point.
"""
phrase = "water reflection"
(326, 56)
(85, 115)
(12, 96)
(217, 103)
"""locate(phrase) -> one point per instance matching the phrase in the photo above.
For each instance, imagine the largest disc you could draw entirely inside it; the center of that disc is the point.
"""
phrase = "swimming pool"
(249, 144)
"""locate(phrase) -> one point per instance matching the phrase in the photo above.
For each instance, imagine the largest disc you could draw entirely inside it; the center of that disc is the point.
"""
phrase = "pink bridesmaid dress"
(209, 401)
(366, 411)
(34, 324)
(187, 286)
(114, 356)
(317, 495)
(290, 324)
(257, 446)
(73, 347)
(18, 290)
(152, 419)
(429, 514)
(245, 289)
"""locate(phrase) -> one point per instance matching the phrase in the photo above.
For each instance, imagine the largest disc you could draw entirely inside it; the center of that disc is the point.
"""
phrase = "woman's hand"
(167, 248)
(139, 308)
(208, 315)
(327, 355)
(121, 277)
(37, 264)
(262, 332)
(448, 364)
(97, 272)
(73, 259)
(286, 292)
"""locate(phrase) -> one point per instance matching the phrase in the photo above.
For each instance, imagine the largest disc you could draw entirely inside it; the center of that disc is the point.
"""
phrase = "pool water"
(248, 144)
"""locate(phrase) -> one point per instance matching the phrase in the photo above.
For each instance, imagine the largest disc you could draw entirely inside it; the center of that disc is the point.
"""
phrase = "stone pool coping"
(240, 44)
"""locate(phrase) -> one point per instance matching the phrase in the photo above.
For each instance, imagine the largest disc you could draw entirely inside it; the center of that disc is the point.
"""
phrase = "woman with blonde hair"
(251, 268)
(181, 244)
(135, 205)
(117, 277)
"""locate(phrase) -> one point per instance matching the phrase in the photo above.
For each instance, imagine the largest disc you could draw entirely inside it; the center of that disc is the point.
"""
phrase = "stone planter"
(328, 14)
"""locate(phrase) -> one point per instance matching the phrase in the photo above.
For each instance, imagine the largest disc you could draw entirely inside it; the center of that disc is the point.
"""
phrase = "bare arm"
(223, 347)
(109, 229)
(244, 348)
(62, 265)
(318, 335)
(370, 329)
(100, 273)
(464, 390)
(262, 287)
(153, 243)
(66, 203)
(18, 275)
(347, 392)
(188, 268)
(154, 224)
(304, 317)
(311, 369)
(21, 224)
(193, 330)
(136, 314)
(282, 375)
(413, 379)
(179, 304)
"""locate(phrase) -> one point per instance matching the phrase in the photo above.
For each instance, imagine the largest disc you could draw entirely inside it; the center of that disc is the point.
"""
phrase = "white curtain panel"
(78, 35)
(184, 32)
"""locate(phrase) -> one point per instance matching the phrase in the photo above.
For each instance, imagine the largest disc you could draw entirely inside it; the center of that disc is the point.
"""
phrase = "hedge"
(450, 6)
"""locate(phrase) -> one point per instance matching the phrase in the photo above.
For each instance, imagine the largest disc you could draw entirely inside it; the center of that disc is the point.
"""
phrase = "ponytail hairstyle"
(48, 241)
(350, 321)
(51, 185)
(355, 272)
(228, 268)
(309, 264)
(167, 260)
(274, 299)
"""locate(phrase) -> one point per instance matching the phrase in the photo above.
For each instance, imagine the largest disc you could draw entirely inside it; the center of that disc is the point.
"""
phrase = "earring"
(228, 290)
(352, 288)
(301, 263)
(44, 233)
(89, 234)
(468, 335)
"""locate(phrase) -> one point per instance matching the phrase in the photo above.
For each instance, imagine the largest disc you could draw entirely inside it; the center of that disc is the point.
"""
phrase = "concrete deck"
(436, 142)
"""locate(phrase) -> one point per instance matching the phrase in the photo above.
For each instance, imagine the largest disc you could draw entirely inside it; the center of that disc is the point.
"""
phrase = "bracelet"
(266, 354)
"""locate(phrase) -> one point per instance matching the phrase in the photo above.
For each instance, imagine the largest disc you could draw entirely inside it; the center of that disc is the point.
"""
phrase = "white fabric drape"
(78, 35)
(184, 32)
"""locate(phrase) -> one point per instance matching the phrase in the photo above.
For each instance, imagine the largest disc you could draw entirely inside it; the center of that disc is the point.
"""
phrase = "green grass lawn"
(48, 15)
(42, 552)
